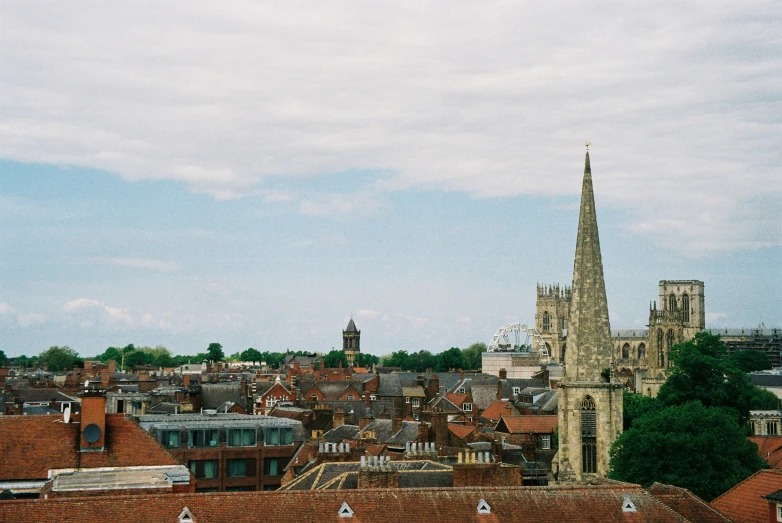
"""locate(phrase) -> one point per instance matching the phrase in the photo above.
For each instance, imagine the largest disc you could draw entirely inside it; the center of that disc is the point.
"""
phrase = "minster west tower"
(590, 405)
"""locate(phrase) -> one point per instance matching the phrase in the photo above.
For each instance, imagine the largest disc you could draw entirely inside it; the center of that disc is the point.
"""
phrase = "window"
(278, 435)
(545, 441)
(407, 399)
(461, 390)
(660, 354)
(373, 397)
(669, 340)
(241, 437)
(467, 407)
(203, 469)
(588, 436)
(546, 322)
(314, 397)
(170, 439)
(672, 302)
(242, 488)
(771, 428)
(516, 390)
(270, 401)
(205, 438)
(271, 467)
(240, 468)
(685, 308)
(641, 351)
(350, 397)
(416, 402)
(626, 351)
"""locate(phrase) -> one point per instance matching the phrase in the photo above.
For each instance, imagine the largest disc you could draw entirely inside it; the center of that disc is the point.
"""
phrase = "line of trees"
(693, 434)
(64, 358)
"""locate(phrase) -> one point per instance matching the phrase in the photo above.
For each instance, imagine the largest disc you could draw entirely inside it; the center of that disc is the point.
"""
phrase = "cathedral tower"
(351, 342)
(590, 407)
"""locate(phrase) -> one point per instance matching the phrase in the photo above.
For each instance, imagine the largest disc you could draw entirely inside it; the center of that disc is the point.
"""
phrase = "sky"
(252, 174)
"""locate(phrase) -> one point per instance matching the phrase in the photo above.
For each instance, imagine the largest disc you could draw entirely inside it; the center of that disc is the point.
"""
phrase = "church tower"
(351, 342)
(590, 407)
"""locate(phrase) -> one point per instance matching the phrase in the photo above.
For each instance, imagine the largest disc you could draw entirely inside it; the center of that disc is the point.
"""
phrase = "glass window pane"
(248, 437)
(237, 468)
(210, 468)
(287, 436)
(234, 438)
(272, 436)
(214, 438)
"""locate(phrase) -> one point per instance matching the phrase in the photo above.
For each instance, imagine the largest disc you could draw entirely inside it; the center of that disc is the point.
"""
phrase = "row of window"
(233, 437)
(234, 468)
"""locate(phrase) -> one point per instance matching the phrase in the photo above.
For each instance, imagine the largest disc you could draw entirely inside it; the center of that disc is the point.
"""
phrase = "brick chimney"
(339, 418)
(461, 374)
(433, 387)
(363, 422)
(112, 366)
(499, 389)
(88, 368)
(104, 379)
(396, 425)
(367, 399)
(503, 374)
(423, 432)
(186, 381)
(438, 425)
(93, 420)
(18, 406)
(378, 477)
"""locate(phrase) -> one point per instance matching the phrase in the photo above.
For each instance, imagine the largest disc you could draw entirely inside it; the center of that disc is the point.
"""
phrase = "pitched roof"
(499, 409)
(461, 431)
(32, 445)
(215, 394)
(770, 449)
(527, 424)
(686, 503)
(508, 504)
(744, 503)
(413, 392)
(351, 326)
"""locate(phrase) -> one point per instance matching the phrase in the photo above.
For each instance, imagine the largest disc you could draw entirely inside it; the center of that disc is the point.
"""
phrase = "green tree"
(637, 405)
(135, 358)
(251, 355)
(395, 359)
(111, 353)
(215, 352)
(3, 359)
(59, 358)
(334, 358)
(699, 448)
(750, 360)
(366, 360)
(703, 371)
(472, 356)
(25, 361)
(159, 356)
(450, 359)
(420, 361)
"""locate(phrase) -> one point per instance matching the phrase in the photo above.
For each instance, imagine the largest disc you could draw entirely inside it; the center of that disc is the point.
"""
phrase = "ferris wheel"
(517, 337)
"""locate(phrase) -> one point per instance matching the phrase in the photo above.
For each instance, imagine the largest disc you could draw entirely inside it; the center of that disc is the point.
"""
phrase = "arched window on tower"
(641, 351)
(564, 347)
(588, 436)
(546, 322)
(626, 351)
(660, 354)
(669, 340)
(685, 308)
(672, 302)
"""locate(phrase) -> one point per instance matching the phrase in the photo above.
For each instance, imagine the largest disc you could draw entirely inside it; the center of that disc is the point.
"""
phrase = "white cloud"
(143, 263)
(88, 312)
(30, 318)
(368, 313)
(716, 319)
(5, 308)
(488, 98)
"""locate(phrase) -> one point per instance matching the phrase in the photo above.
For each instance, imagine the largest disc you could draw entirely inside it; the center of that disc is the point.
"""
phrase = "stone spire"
(589, 348)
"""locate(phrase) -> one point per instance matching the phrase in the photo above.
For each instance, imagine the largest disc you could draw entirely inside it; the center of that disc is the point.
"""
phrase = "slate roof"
(351, 326)
(215, 394)
(744, 503)
(766, 380)
(322, 476)
(390, 385)
(686, 503)
(34, 395)
(340, 433)
(527, 424)
(32, 445)
(601, 503)
(630, 333)
(413, 392)
(441, 402)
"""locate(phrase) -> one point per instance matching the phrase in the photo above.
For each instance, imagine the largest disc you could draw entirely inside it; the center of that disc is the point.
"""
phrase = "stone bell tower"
(590, 406)
(351, 342)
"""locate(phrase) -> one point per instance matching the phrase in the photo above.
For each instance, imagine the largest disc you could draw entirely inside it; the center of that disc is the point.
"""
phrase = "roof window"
(483, 507)
(628, 506)
(345, 511)
(186, 516)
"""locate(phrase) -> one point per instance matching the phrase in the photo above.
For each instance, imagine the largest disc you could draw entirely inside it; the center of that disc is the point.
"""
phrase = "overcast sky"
(254, 175)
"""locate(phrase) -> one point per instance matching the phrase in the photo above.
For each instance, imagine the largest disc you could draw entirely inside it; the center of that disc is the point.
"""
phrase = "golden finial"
(587, 143)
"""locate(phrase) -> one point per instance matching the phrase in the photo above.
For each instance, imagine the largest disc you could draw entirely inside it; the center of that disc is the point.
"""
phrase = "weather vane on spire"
(587, 143)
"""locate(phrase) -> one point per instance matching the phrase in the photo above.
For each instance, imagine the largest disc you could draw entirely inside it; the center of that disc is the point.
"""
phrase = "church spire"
(589, 334)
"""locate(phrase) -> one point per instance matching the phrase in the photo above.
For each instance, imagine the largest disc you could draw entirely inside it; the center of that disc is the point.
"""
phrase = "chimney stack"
(396, 425)
(112, 366)
(93, 420)
(339, 418)
(433, 387)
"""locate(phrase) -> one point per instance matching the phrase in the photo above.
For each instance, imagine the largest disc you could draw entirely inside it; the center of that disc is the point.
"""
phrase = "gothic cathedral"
(590, 403)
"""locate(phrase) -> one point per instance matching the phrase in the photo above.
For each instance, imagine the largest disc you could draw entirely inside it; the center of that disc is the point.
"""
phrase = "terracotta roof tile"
(527, 504)
(744, 503)
(770, 449)
(499, 409)
(32, 445)
(461, 431)
(686, 503)
(527, 424)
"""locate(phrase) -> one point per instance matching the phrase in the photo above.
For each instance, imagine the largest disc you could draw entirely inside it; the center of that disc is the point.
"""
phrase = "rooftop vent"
(186, 516)
(628, 506)
(345, 511)
(483, 507)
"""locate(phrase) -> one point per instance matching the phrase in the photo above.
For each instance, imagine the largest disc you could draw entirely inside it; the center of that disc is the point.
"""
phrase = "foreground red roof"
(527, 424)
(744, 503)
(32, 445)
(770, 448)
(522, 504)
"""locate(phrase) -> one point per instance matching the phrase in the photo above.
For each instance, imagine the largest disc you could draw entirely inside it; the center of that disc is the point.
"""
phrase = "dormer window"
(516, 390)
(461, 390)
(350, 397)
(467, 407)
(416, 402)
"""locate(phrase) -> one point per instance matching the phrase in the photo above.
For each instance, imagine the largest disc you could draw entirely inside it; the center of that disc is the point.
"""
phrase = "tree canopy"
(215, 352)
(59, 358)
(333, 359)
(472, 355)
(750, 360)
(699, 448)
(366, 360)
(3, 359)
(251, 355)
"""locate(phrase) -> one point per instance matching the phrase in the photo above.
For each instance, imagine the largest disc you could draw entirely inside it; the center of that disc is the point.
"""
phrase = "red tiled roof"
(744, 503)
(374, 449)
(461, 431)
(686, 503)
(528, 424)
(514, 504)
(770, 448)
(499, 409)
(457, 399)
(32, 445)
